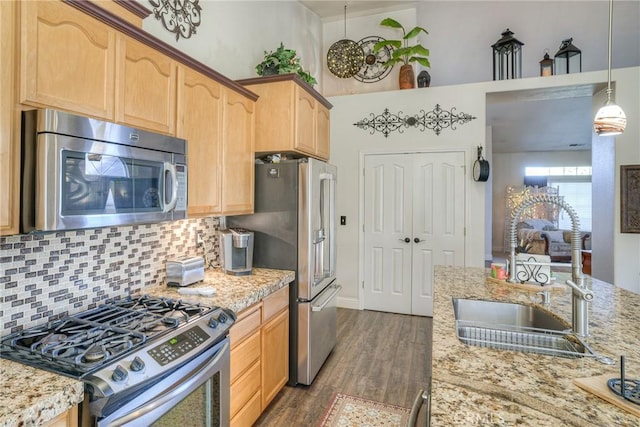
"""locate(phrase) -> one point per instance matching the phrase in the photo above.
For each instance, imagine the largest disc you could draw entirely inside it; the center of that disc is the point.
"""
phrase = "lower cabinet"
(259, 357)
(68, 418)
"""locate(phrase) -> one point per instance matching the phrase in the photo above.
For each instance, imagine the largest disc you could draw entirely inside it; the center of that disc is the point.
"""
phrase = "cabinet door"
(305, 140)
(9, 124)
(68, 418)
(275, 356)
(199, 114)
(67, 59)
(237, 153)
(323, 133)
(146, 87)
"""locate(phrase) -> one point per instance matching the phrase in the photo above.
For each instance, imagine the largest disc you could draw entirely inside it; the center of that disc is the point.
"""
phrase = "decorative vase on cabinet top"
(407, 77)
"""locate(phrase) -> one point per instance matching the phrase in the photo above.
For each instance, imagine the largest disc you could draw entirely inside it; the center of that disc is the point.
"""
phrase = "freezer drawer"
(316, 332)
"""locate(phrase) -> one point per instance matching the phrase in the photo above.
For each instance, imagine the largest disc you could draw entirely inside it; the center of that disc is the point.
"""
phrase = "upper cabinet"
(67, 59)
(290, 116)
(199, 117)
(146, 87)
(9, 123)
(218, 125)
(238, 123)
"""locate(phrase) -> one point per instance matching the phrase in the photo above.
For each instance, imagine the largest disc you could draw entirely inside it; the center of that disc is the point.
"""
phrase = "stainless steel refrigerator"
(294, 229)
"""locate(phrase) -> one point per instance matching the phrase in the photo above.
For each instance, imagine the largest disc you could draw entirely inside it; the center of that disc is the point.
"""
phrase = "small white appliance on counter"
(185, 271)
(236, 251)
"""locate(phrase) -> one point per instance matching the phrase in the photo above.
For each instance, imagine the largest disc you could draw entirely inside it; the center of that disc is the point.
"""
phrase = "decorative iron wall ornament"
(436, 120)
(178, 16)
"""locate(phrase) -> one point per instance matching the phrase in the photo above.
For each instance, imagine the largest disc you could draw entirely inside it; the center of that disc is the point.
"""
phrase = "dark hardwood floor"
(380, 356)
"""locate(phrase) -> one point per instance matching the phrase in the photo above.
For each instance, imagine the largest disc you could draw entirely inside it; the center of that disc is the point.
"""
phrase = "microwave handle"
(171, 168)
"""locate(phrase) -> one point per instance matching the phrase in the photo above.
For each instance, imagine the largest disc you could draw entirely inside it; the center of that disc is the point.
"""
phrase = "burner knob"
(119, 374)
(137, 364)
(212, 322)
(222, 318)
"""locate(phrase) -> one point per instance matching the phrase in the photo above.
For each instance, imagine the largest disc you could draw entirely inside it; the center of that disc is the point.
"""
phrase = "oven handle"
(184, 384)
(171, 168)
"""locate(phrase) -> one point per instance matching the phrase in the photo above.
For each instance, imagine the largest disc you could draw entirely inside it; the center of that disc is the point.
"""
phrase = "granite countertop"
(482, 386)
(31, 397)
(233, 292)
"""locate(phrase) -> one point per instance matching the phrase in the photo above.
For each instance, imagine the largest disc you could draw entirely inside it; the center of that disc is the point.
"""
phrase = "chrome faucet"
(580, 294)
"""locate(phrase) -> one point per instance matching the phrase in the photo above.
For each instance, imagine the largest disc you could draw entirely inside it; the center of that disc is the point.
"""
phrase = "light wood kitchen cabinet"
(275, 356)
(68, 418)
(67, 59)
(259, 357)
(275, 344)
(237, 153)
(291, 117)
(9, 124)
(146, 87)
(246, 367)
(199, 118)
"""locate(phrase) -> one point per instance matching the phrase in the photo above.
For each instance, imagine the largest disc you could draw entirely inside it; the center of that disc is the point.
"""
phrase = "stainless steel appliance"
(143, 360)
(79, 172)
(236, 251)
(184, 271)
(294, 226)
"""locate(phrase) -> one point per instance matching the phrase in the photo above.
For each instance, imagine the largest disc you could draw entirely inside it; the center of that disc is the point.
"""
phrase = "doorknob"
(417, 240)
(406, 240)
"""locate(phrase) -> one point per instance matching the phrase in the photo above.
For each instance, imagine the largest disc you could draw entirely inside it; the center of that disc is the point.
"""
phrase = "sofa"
(540, 236)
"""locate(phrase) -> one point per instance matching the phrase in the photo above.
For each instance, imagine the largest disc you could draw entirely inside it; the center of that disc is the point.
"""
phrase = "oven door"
(197, 393)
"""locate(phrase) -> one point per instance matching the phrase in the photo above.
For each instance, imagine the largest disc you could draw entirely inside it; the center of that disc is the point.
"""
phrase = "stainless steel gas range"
(144, 361)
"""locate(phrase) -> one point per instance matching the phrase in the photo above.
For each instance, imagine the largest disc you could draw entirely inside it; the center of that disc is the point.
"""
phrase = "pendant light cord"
(610, 37)
(345, 28)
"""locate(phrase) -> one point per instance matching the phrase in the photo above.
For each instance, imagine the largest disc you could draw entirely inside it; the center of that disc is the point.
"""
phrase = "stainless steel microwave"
(79, 172)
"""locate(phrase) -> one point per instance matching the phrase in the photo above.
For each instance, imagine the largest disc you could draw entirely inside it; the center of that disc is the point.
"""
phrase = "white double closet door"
(413, 221)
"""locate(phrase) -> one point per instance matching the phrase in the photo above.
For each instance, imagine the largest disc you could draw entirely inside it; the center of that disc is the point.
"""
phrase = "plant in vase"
(283, 61)
(404, 53)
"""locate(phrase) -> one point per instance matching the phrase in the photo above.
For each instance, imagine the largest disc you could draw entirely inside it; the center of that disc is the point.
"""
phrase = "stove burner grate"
(631, 389)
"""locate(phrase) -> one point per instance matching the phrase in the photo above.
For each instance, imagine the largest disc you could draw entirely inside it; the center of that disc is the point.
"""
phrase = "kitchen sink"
(515, 327)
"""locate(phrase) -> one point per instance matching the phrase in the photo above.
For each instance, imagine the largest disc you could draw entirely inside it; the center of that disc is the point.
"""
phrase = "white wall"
(627, 246)
(461, 34)
(349, 143)
(233, 35)
(508, 169)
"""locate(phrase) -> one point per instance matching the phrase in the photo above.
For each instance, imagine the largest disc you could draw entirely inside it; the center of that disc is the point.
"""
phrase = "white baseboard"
(352, 303)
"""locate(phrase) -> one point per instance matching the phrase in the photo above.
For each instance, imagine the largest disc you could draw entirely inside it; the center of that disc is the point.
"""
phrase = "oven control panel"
(178, 345)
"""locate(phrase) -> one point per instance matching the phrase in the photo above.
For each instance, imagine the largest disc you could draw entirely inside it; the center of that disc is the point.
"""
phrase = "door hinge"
(363, 284)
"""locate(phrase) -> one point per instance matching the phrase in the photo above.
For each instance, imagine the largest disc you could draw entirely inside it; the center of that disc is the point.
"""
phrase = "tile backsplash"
(46, 276)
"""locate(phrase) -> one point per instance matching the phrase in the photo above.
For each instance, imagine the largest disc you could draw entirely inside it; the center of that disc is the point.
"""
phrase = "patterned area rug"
(351, 411)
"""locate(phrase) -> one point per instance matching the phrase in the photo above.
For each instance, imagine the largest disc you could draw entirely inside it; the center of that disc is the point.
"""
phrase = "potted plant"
(283, 61)
(404, 53)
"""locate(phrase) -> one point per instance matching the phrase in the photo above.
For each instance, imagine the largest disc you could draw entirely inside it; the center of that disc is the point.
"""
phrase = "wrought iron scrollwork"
(436, 120)
(178, 16)
(527, 272)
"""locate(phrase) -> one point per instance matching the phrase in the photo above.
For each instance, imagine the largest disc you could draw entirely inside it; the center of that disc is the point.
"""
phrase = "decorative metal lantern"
(546, 65)
(568, 59)
(507, 57)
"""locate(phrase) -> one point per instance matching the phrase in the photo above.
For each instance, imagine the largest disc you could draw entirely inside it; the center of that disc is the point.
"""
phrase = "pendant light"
(610, 119)
(345, 57)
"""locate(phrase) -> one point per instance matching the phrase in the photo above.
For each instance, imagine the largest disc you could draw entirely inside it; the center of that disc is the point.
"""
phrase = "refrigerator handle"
(327, 299)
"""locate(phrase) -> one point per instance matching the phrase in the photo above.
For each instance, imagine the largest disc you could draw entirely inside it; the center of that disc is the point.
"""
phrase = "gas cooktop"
(84, 343)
